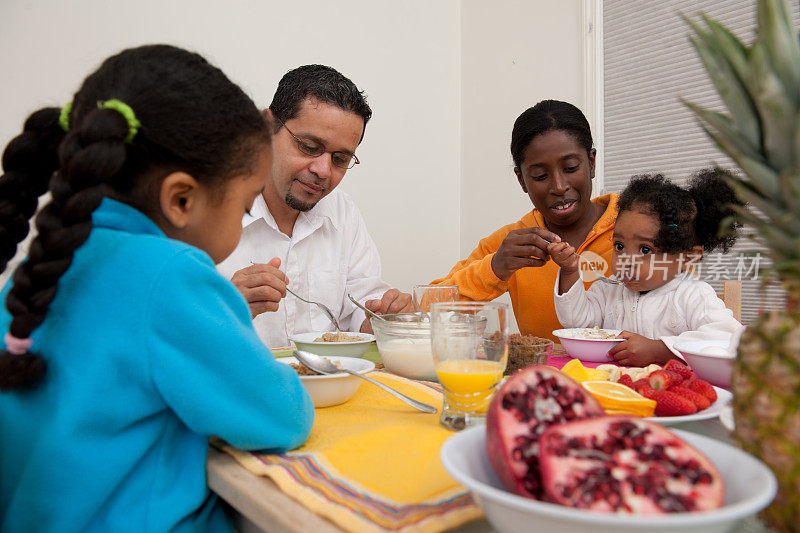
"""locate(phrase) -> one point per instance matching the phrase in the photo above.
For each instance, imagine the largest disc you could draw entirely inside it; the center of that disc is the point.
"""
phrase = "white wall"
(445, 79)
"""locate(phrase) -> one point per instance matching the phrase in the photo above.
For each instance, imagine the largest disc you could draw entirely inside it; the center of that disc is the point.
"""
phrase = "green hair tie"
(63, 118)
(125, 110)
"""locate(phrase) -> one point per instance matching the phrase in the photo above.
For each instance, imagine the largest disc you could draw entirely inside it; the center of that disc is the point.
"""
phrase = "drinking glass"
(425, 295)
(469, 341)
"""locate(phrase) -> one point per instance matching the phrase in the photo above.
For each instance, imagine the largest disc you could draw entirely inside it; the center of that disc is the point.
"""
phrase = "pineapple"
(760, 86)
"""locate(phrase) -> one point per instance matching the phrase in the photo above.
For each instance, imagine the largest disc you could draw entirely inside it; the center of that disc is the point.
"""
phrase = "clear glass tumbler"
(469, 341)
(425, 295)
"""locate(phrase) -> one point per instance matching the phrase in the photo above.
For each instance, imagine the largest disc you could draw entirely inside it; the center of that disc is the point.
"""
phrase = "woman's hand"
(522, 248)
(637, 350)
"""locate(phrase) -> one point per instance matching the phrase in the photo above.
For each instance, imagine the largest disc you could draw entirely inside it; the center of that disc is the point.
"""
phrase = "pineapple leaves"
(762, 177)
(726, 129)
(774, 106)
(782, 47)
(715, 56)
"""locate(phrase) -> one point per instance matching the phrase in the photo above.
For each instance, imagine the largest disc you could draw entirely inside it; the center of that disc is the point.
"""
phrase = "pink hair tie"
(17, 346)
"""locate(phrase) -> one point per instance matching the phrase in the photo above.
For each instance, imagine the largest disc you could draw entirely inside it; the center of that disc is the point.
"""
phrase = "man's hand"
(522, 248)
(393, 301)
(637, 350)
(262, 285)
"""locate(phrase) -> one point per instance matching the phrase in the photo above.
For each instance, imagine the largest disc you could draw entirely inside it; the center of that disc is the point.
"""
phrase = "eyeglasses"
(314, 148)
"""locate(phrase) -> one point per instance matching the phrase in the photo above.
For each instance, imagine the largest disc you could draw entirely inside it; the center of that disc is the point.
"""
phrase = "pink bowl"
(589, 350)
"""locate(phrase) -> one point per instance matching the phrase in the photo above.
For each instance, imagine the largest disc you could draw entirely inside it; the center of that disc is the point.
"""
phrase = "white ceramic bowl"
(306, 342)
(749, 487)
(710, 360)
(589, 350)
(333, 389)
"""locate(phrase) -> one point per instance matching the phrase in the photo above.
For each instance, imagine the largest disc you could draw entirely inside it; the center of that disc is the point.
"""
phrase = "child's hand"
(637, 350)
(564, 256)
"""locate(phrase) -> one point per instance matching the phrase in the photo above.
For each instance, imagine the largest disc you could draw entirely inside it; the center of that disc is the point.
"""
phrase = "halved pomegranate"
(528, 403)
(625, 464)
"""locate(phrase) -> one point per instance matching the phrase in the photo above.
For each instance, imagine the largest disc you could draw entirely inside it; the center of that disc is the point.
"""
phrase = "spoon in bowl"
(363, 308)
(324, 366)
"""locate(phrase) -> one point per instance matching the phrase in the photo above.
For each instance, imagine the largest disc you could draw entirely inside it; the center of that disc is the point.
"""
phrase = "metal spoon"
(363, 308)
(324, 308)
(324, 366)
(596, 273)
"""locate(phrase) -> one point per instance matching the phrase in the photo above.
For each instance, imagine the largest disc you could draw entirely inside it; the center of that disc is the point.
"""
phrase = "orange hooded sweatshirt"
(531, 288)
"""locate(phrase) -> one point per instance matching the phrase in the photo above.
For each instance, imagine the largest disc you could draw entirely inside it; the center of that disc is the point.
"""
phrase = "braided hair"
(192, 119)
(700, 214)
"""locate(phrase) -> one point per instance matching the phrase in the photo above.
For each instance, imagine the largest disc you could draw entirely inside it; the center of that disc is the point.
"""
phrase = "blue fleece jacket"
(149, 351)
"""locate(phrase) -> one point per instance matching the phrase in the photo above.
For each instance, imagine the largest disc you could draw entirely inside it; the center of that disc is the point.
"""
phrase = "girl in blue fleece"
(124, 350)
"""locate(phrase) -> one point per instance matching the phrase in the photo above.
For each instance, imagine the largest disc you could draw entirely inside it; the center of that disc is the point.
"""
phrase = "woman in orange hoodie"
(551, 145)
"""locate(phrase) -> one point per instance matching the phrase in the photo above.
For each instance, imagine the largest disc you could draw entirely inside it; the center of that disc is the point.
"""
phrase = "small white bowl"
(306, 342)
(333, 389)
(589, 350)
(710, 360)
(749, 487)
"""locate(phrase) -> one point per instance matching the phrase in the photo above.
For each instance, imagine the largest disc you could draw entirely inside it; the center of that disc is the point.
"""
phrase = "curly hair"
(193, 119)
(700, 214)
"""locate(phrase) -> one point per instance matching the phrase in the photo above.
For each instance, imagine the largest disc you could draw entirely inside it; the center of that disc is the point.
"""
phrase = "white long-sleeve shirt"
(329, 255)
(684, 309)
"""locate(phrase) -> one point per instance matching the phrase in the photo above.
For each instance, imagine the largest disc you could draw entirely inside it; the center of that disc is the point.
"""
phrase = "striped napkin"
(372, 464)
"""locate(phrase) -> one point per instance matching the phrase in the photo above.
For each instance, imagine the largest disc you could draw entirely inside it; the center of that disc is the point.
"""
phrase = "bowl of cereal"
(331, 389)
(333, 343)
(588, 344)
(526, 350)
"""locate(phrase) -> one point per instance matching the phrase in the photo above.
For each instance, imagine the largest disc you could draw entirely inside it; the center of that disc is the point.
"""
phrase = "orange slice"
(617, 397)
(576, 370)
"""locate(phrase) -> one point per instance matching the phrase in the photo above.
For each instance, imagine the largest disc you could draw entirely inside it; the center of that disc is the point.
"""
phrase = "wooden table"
(259, 505)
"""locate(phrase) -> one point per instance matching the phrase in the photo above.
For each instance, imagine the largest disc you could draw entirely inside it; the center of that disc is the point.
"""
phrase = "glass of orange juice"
(469, 341)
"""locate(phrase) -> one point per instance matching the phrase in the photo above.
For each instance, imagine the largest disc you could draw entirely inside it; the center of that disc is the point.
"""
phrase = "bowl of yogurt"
(404, 343)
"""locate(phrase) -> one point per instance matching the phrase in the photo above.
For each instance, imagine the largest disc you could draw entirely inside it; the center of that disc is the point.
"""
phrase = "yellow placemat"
(372, 464)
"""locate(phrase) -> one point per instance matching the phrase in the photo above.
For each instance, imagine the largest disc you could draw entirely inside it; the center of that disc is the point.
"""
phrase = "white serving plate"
(749, 487)
(724, 397)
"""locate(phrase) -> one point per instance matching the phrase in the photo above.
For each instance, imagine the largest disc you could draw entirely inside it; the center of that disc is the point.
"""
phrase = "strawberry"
(703, 387)
(661, 380)
(647, 391)
(700, 401)
(626, 380)
(673, 365)
(670, 404)
(639, 383)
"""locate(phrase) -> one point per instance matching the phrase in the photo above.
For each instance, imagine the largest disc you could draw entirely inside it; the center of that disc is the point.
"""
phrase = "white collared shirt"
(329, 255)
(684, 309)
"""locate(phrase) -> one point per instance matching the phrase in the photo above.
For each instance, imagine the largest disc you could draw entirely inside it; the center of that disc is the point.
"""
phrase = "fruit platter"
(669, 395)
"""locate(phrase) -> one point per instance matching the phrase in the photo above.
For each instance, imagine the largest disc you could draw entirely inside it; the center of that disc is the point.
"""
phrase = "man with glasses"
(303, 233)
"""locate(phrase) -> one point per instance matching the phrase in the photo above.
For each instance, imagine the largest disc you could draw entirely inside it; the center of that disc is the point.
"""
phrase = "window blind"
(648, 63)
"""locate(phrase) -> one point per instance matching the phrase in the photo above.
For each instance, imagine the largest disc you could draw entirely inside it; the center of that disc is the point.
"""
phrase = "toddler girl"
(660, 232)
(125, 349)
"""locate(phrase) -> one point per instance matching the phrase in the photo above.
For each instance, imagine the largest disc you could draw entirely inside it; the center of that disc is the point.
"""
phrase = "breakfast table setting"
(375, 463)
